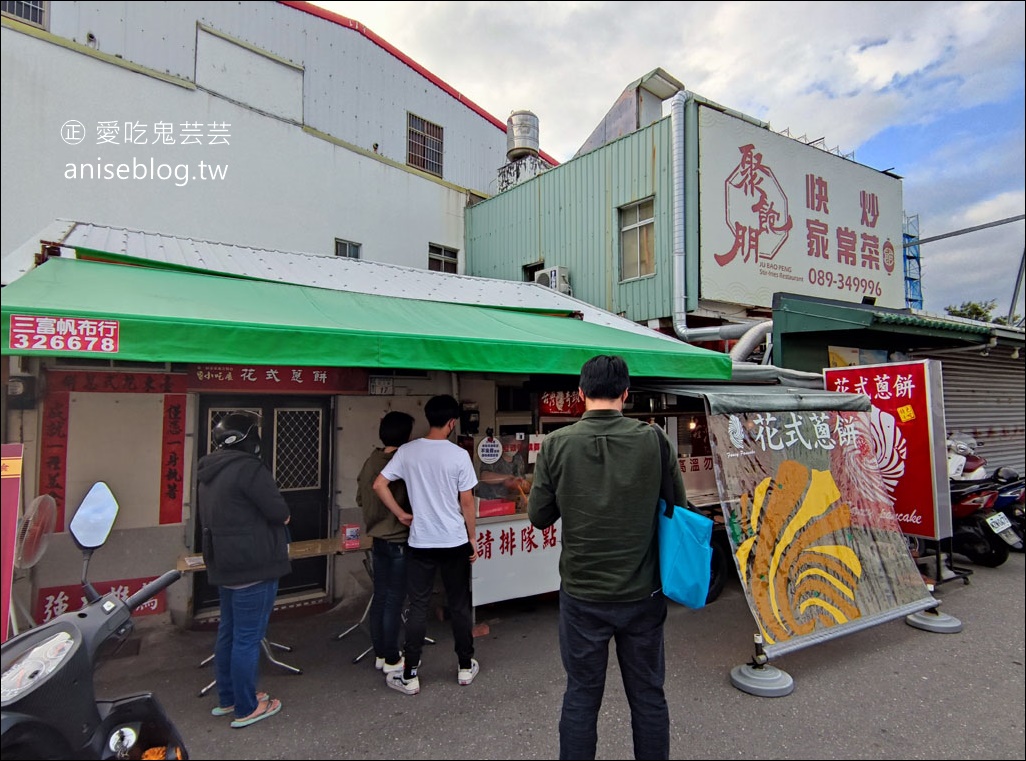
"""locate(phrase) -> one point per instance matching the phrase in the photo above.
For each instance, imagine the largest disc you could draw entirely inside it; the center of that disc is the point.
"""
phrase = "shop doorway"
(295, 433)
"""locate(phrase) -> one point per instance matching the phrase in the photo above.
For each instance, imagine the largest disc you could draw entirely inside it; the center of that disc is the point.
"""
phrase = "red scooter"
(979, 532)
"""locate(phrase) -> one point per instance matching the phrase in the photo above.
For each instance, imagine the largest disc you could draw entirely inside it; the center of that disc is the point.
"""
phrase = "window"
(347, 249)
(530, 270)
(423, 145)
(442, 259)
(32, 12)
(637, 240)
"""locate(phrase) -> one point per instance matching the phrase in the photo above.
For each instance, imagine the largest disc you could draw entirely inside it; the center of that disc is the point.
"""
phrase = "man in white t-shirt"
(439, 480)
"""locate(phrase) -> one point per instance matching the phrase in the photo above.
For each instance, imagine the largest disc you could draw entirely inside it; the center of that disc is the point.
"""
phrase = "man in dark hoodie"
(389, 549)
(246, 550)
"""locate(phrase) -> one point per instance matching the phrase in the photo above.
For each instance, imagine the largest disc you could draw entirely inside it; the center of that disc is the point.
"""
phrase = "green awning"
(185, 317)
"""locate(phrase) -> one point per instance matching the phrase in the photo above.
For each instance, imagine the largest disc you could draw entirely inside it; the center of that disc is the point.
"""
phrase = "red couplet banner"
(907, 439)
(11, 505)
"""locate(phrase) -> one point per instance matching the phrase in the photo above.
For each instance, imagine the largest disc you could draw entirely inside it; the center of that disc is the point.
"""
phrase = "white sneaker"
(388, 668)
(379, 663)
(466, 676)
(407, 687)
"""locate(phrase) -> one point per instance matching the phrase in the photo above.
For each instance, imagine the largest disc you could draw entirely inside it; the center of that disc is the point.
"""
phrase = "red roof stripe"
(356, 26)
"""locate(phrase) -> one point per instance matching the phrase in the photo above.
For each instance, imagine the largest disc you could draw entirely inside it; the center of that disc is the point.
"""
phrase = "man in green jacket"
(601, 476)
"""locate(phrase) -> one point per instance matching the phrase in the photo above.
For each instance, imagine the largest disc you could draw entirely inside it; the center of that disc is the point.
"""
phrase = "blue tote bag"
(685, 548)
(685, 554)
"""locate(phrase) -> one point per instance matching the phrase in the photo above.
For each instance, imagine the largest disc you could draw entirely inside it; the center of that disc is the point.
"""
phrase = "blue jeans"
(244, 616)
(386, 611)
(585, 629)
(454, 565)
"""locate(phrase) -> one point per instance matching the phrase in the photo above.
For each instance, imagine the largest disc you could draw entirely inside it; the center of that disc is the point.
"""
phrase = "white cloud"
(847, 72)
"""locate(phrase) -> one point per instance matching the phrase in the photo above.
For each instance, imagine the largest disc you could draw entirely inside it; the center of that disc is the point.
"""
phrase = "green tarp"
(166, 316)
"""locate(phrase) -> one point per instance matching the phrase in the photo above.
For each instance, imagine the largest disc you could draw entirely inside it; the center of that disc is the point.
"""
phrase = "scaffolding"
(913, 273)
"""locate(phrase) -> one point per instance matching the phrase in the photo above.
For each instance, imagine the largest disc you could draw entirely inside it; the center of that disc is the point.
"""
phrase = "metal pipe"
(752, 338)
(679, 318)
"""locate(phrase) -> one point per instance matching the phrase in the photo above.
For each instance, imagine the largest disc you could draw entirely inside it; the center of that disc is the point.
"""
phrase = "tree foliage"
(982, 311)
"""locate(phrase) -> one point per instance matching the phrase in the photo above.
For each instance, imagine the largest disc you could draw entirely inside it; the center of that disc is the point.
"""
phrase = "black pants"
(421, 565)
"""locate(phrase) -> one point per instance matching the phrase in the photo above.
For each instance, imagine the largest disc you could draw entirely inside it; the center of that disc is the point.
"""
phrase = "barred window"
(32, 12)
(424, 144)
(442, 259)
(637, 240)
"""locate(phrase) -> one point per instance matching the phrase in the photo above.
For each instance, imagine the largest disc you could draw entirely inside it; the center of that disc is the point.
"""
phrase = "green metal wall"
(568, 216)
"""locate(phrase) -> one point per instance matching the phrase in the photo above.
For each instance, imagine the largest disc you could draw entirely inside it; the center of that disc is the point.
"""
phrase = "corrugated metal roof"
(319, 271)
(924, 320)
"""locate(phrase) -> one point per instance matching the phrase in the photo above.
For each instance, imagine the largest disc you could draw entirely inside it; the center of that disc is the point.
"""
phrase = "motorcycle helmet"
(235, 428)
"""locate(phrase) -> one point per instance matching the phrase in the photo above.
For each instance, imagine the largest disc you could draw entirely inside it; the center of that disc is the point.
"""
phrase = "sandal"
(262, 697)
(270, 708)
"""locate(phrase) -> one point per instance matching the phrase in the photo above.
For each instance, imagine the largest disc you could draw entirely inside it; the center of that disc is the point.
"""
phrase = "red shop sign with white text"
(279, 379)
(561, 403)
(908, 439)
(53, 601)
(79, 334)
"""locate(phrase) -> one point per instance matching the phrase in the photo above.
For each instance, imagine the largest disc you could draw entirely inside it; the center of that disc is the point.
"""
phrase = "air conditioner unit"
(557, 278)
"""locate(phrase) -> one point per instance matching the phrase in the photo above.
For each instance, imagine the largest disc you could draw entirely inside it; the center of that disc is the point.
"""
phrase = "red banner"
(53, 601)
(10, 504)
(903, 440)
(266, 379)
(115, 383)
(53, 448)
(172, 462)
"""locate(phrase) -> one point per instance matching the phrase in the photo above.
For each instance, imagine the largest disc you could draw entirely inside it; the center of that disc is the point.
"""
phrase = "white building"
(271, 125)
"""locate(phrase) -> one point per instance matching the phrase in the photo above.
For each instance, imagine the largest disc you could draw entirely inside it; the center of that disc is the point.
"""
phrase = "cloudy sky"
(933, 91)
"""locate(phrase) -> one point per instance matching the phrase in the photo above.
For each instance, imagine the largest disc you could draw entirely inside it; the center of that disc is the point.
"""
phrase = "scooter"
(1011, 499)
(49, 705)
(963, 462)
(979, 532)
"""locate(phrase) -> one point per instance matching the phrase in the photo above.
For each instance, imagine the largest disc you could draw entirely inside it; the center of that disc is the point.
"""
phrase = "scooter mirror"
(95, 517)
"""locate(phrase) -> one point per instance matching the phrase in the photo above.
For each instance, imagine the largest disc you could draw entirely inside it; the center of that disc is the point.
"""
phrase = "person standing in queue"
(389, 548)
(602, 476)
(244, 521)
(440, 480)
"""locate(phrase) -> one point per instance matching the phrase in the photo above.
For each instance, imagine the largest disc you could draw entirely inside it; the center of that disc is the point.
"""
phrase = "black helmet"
(235, 427)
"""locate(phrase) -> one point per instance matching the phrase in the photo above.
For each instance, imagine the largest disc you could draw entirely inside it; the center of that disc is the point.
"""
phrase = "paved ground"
(890, 692)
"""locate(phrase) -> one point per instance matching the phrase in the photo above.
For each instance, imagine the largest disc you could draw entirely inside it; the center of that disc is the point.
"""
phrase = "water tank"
(521, 135)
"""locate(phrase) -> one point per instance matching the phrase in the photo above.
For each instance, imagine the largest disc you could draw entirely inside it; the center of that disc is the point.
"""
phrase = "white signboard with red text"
(514, 559)
(908, 439)
(779, 215)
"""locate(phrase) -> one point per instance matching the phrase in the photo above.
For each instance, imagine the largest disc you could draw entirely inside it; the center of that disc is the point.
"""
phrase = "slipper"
(262, 697)
(271, 707)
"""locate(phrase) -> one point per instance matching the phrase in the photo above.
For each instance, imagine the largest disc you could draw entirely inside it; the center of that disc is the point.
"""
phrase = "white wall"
(284, 188)
(354, 89)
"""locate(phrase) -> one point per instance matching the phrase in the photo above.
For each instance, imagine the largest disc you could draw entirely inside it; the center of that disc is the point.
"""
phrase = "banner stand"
(759, 678)
(932, 620)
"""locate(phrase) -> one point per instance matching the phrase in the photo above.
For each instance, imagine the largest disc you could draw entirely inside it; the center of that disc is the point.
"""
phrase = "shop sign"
(279, 379)
(515, 559)
(561, 403)
(907, 440)
(53, 601)
(71, 334)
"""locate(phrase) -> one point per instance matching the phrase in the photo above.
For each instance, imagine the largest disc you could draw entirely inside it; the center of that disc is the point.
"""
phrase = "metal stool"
(369, 566)
(265, 646)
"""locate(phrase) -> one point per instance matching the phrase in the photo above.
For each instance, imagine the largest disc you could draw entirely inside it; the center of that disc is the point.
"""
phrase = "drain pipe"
(720, 332)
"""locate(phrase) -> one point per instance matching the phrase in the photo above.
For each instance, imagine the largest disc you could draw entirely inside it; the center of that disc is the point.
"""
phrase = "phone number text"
(845, 282)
